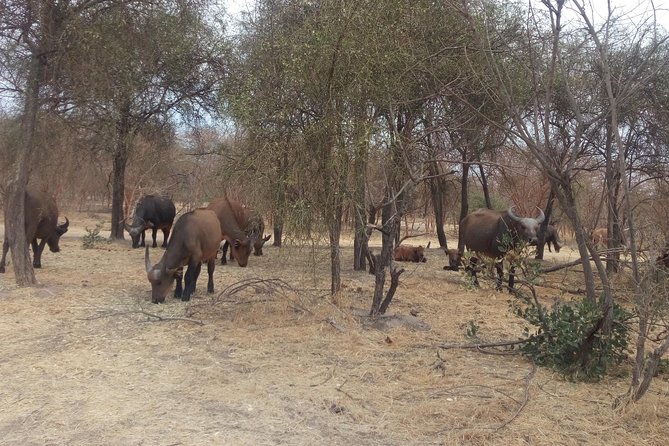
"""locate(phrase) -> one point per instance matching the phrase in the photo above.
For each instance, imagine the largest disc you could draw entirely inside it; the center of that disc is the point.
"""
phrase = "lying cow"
(195, 239)
(41, 222)
(409, 253)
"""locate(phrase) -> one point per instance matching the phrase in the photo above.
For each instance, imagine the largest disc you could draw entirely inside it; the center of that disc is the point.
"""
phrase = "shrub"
(568, 339)
(93, 237)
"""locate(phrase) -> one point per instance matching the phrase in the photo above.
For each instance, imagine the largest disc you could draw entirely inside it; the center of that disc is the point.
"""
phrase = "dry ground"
(87, 359)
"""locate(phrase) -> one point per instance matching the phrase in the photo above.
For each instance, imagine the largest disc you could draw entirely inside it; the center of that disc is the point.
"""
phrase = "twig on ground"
(483, 345)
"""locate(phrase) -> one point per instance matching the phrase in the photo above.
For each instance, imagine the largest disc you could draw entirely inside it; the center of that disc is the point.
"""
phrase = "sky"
(636, 9)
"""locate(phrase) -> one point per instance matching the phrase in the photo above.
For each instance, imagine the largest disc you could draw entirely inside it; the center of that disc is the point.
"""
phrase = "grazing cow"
(409, 253)
(553, 237)
(151, 212)
(231, 230)
(493, 233)
(41, 222)
(195, 239)
(600, 237)
(454, 259)
(253, 225)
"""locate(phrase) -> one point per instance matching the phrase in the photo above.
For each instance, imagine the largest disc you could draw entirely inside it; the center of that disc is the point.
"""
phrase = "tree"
(143, 65)
(34, 40)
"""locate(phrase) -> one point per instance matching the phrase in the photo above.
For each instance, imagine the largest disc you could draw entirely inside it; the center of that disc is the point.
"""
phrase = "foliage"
(472, 330)
(567, 330)
(93, 237)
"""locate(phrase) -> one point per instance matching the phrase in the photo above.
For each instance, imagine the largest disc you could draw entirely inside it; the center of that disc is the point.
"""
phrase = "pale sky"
(636, 9)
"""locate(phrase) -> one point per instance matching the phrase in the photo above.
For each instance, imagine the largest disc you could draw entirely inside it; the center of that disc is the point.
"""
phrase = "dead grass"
(268, 359)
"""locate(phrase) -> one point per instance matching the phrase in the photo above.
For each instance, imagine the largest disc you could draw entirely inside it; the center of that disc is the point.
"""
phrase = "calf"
(408, 253)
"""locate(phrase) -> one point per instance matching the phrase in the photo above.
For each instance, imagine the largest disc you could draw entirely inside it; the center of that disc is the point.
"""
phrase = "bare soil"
(270, 359)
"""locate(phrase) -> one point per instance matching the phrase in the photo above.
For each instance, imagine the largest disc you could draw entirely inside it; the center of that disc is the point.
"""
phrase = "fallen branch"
(484, 345)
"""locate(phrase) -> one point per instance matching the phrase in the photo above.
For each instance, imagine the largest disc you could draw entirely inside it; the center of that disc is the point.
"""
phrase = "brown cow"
(41, 222)
(253, 225)
(229, 215)
(196, 237)
(493, 233)
(600, 237)
(409, 253)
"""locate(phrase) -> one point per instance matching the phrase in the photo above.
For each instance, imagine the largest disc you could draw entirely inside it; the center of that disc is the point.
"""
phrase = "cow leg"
(224, 257)
(471, 269)
(5, 248)
(143, 235)
(37, 252)
(500, 274)
(166, 235)
(190, 279)
(549, 246)
(512, 278)
(211, 265)
(178, 291)
(154, 233)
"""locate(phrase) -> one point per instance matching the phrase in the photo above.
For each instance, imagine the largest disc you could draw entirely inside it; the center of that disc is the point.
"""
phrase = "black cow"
(151, 212)
(553, 237)
(493, 233)
(41, 222)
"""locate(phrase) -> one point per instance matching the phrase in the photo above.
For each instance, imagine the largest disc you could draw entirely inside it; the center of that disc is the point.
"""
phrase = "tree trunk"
(437, 194)
(360, 240)
(118, 195)
(464, 200)
(541, 243)
(390, 224)
(15, 231)
(278, 230)
(486, 189)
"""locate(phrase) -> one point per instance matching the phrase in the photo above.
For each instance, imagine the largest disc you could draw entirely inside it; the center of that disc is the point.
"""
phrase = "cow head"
(241, 249)
(454, 259)
(135, 231)
(258, 244)
(527, 228)
(54, 238)
(160, 277)
(420, 254)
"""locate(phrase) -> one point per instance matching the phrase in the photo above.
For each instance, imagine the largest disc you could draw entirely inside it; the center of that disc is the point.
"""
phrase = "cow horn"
(540, 219)
(147, 260)
(513, 215)
(65, 225)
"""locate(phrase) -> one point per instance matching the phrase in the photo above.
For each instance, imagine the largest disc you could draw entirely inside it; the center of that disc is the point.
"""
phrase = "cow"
(409, 253)
(552, 237)
(195, 239)
(454, 259)
(152, 212)
(41, 222)
(494, 233)
(227, 212)
(600, 237)
(253, 225)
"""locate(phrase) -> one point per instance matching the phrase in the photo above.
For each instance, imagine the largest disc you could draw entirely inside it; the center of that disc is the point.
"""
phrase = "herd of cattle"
(197, 236)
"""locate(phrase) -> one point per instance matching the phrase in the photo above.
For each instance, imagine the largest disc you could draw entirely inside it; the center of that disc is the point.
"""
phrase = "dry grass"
(87, 359)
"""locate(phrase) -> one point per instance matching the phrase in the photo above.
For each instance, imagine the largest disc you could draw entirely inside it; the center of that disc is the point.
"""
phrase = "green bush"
(93, 237)
(568, 339)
